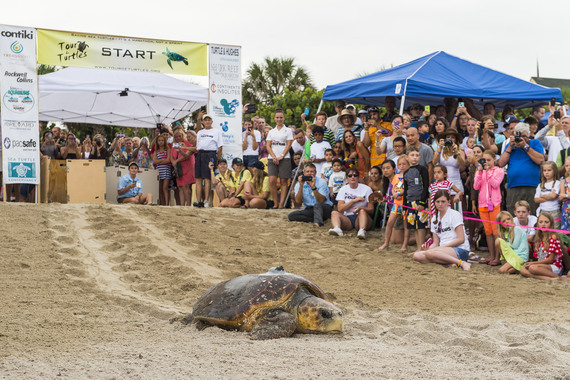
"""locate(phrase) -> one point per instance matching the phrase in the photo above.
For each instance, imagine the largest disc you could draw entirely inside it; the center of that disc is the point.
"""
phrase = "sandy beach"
(94, 291)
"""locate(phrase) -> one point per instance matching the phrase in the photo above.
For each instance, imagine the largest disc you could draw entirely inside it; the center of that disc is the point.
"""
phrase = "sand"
(90, 291)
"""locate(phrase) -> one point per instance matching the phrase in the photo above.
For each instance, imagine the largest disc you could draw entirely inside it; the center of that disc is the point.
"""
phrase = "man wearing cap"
(333, 123)
(314, 196)
(524, 157)
(209, 144)
(348, 119)
(129, 188)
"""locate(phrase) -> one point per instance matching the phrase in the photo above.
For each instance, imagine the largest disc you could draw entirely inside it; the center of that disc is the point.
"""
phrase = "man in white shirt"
(332, 122)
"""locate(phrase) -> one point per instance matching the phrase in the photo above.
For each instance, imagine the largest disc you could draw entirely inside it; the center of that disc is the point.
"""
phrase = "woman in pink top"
(182, 151)
(488, 181)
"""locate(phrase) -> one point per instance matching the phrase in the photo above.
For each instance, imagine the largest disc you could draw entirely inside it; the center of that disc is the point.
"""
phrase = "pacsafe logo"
(7, 143)
(224, 126)
(16, 47)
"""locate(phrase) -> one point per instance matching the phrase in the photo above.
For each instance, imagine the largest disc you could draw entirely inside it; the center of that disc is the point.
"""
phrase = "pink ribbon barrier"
(492, 221)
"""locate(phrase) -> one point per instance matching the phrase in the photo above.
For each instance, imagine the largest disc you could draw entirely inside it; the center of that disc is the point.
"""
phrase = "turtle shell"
(229, 303)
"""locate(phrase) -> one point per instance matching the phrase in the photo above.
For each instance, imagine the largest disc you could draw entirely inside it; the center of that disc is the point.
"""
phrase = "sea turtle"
(270, 305)
(174, 57)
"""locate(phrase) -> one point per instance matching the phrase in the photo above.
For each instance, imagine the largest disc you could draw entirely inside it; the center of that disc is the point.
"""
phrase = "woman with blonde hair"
(450, 155)
(256, 191)
(182, 157)
(511, 243)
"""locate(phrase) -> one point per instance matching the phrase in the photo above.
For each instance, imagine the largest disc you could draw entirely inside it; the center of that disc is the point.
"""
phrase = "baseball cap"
(373, 109)
(207, 115)
(350, 105)
(511, 118)
(237, 161)
(362, 111)
(258, 165)
(339, 103)
(133, 164)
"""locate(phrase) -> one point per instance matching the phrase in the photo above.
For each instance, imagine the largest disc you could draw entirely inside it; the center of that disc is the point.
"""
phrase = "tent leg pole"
(320, 106)
(402, 104)
(4, 192)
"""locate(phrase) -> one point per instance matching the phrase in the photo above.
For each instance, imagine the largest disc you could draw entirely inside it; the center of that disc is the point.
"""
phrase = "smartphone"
(553, 102)
(461, 104)
(557, 114)
(306, 112)
(397, 123)
(252, 108)
(176, 145)
(367, 117)
(203, 108)
(427, 109)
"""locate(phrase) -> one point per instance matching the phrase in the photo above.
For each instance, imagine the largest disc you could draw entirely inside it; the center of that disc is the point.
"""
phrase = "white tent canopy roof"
(93, 96)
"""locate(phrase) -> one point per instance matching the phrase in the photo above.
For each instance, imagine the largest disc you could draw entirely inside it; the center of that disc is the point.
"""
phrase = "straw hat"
(451, 132)
(344, 113)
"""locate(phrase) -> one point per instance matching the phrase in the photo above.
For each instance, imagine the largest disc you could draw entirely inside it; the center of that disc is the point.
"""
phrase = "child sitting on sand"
(511, 243)
(547, 251)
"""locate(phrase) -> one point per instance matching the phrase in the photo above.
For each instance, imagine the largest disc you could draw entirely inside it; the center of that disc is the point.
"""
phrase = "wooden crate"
(73, 181)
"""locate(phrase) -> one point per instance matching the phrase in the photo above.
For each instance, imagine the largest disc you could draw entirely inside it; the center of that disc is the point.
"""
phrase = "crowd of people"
(425, 170)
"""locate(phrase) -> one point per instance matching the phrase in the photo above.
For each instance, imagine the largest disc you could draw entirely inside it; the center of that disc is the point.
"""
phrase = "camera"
(518, 137)
(307, 178)
(496, 125)
(448, 142)
(98, 142)
(367, 117)
(482, 162)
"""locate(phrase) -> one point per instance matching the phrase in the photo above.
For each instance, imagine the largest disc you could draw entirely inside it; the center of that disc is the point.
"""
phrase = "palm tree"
(265, 81)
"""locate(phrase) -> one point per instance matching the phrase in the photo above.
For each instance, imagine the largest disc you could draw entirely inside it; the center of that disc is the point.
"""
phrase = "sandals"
(494, 263)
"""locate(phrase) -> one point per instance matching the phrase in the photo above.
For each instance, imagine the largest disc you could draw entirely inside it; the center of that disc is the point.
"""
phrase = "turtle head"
(317, 315)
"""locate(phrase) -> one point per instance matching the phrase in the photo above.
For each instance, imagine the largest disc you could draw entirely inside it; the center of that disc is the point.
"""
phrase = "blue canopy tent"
(429, 79)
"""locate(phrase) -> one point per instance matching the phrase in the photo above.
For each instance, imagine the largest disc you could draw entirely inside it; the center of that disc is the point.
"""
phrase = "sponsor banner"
(225, 96)
(19, 104)
(121, 53)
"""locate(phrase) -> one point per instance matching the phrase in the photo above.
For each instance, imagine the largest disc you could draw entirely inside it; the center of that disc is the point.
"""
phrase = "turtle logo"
(174, 57)
(224, 126)
(7, 143)
(81, 46)
(16, 47)
(229, 108)
(21, 170)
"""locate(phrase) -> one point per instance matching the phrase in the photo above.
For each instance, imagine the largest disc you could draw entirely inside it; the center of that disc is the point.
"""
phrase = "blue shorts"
(396, 209)
(352, 219)
(461, 253)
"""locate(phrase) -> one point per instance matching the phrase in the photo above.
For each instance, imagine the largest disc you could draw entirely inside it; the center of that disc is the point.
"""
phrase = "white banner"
(225, 97)
(19, 108)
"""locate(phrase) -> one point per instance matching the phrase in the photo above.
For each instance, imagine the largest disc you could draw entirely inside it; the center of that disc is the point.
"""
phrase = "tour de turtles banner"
(121, 53)
(19, 108)
(225, 97)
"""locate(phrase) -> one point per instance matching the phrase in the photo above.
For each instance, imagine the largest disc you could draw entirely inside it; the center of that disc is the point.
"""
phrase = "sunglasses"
(352, 175)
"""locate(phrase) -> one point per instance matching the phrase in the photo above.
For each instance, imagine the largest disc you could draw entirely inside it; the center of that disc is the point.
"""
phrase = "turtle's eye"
(325, 314)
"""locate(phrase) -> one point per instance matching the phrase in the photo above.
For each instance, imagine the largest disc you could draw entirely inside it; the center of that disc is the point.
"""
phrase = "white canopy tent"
(119, 98)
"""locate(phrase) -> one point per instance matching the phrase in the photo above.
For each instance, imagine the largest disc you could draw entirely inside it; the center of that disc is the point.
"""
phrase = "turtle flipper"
(169, 63)
(276, 324)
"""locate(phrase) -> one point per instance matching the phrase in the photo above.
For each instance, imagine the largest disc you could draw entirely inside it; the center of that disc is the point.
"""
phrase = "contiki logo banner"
(225, 97)
(19, 105)
(121, 53)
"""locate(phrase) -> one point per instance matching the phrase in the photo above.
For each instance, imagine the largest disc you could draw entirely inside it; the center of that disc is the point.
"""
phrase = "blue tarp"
(427, 80)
